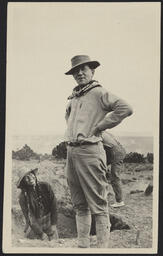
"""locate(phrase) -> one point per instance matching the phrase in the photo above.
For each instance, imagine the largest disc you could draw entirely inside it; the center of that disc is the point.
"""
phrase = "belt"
(79, 143)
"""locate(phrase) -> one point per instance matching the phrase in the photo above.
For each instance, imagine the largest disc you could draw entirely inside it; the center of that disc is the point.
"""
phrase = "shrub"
(60, 151)
(150, 158)
(26, 153)
(134, 157)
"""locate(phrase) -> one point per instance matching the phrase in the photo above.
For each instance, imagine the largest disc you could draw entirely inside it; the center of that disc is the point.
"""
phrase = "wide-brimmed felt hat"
(23, 172)
(79, 60)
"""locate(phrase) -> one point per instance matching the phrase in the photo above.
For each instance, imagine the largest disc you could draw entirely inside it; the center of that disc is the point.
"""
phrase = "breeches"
(86, 175)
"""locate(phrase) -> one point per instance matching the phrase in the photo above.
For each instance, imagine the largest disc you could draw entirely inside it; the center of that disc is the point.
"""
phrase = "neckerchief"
(79, 91)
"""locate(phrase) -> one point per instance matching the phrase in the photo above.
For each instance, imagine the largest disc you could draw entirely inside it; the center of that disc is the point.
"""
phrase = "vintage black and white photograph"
(82, 127)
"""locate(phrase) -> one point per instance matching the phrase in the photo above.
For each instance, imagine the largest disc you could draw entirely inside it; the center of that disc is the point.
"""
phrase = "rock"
(136, 191)
(149, 189)
(61, 241)
(126, 181)
(139, 186)
(116, 224)
(21, 240)
(149, 178)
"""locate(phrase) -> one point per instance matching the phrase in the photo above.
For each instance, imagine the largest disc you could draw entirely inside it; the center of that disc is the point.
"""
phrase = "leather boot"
(102, 230)
(83, 223)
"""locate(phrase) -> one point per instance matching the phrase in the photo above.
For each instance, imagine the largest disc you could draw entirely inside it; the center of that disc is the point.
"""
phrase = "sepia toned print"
(59, 56)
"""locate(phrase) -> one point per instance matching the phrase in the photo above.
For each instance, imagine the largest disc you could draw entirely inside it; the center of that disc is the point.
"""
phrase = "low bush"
(26, 153)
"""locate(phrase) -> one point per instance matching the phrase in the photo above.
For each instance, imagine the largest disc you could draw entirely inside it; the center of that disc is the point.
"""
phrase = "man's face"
(30, 179)
(83, 74)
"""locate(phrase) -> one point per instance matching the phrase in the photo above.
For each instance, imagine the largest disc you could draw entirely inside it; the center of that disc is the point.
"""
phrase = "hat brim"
(26, 173)
(93, 64)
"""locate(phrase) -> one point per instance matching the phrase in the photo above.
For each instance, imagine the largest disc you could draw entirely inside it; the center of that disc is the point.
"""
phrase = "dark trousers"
(116, 169)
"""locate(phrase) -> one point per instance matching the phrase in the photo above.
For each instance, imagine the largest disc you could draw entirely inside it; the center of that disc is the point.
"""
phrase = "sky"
(43, 37)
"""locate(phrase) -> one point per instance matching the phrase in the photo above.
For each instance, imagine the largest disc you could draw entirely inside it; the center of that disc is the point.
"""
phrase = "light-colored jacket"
(97, 107)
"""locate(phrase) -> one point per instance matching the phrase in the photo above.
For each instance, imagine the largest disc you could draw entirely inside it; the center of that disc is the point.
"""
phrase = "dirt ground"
(137, 211)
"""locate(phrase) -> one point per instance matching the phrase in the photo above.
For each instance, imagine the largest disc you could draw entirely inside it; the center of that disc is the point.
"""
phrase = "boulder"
(116, 224)
(149, 189)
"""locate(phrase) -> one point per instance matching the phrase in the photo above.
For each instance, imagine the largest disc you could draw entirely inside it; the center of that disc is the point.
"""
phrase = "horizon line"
(116, 133)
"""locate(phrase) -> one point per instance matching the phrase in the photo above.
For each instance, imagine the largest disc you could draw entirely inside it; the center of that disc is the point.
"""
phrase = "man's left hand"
(54, 234)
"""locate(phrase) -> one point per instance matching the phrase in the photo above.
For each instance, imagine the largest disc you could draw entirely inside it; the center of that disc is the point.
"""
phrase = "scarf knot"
(79, 91)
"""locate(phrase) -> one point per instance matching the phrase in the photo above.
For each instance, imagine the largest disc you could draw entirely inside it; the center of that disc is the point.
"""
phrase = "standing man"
(91, 110)
(115, 155)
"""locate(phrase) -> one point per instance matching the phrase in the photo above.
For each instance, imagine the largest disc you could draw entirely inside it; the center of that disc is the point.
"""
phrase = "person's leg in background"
(116, 169)
(114, 157)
